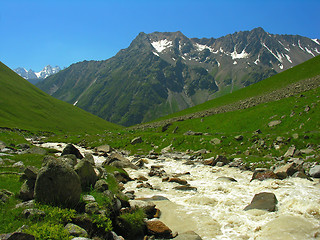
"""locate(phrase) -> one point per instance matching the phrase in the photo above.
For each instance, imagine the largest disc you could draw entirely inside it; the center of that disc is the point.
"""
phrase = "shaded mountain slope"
(162, 73)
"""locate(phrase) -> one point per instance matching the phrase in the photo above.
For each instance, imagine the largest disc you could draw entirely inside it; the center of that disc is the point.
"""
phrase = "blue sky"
(36, 33)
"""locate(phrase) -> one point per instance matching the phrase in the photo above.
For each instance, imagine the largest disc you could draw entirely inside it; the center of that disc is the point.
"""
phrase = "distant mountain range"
(164, 72)
(33, 76)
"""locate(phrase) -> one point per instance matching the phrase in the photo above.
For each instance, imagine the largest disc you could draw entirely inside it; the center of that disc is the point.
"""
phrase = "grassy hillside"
(305, 70)
(298, 115)
(24, 106)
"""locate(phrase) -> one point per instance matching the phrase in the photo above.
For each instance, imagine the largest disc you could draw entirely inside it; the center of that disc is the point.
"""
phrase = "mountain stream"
(215, 209)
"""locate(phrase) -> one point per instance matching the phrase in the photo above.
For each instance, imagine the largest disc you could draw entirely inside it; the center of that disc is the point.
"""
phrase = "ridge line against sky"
(36, 33)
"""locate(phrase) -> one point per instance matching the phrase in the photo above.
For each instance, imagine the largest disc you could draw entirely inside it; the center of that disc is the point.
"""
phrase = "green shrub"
(132, 224)
(48, 231)
(57, 215)
(102, 221)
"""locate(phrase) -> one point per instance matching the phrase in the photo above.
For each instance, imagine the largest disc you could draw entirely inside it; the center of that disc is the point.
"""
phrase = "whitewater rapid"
(215, 209)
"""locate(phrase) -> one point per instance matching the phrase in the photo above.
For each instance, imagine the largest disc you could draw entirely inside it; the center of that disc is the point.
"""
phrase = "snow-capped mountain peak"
(46, 72)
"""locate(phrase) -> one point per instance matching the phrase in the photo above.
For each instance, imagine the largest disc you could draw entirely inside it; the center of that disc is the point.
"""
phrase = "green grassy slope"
(305, 70)
(22, 105)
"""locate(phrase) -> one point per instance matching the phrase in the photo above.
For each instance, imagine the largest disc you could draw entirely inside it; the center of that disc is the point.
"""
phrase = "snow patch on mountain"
(278, 57)
(316, 41)
(201, 47)
(236, 55)
(156, 54)
(288, 58)
(309, 51)
(162, 45)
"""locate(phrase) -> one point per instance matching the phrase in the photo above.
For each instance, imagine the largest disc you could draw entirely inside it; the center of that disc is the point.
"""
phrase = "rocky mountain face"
(33, 76)
(164, 72)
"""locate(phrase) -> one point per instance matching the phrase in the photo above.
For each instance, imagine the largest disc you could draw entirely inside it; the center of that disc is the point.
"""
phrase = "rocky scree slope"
(162, 73)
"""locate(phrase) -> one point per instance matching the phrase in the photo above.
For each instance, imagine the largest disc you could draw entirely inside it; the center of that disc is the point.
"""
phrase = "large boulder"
(214, 160)
(286, 170)
(263, 175)
(119, 161)
(158, 229)
(70, 149)
(263, 201)
(58, 184)
(315, 171)
(87, 174)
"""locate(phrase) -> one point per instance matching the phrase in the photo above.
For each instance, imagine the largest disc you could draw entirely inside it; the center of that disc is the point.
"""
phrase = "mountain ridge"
(163, 72)
(35, 77)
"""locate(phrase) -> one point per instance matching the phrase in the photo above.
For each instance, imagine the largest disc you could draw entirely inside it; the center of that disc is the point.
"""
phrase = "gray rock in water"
(158, 229)
(190, 235)
(87, 174)
(226, 179)
(58, 184)
(315, 171)
(185, 188)
(263, 201)
(286, 170)
(70, 149)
